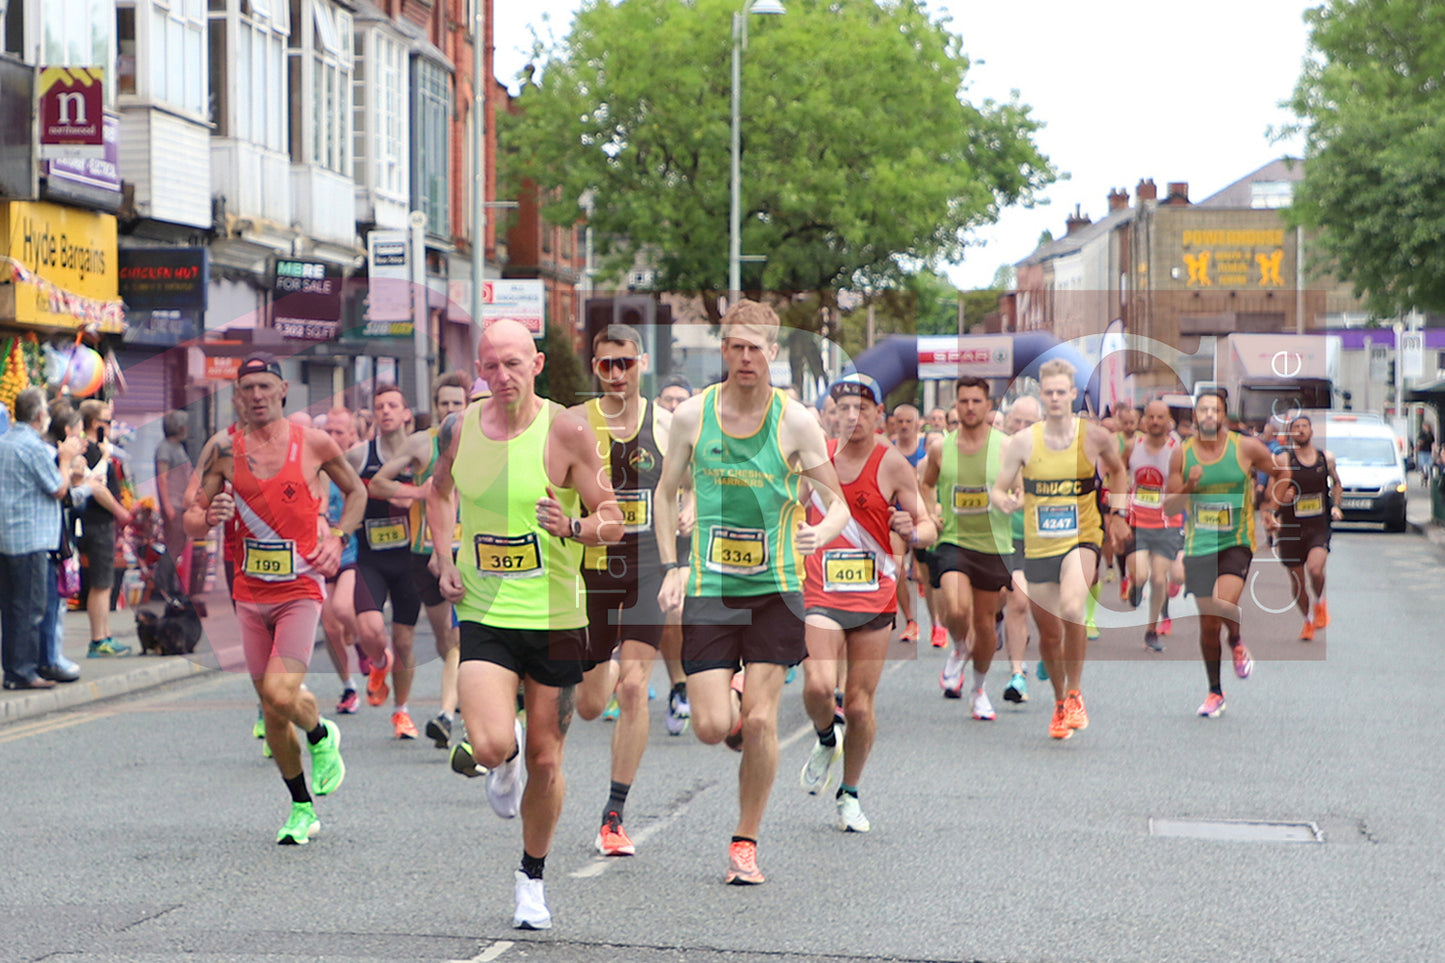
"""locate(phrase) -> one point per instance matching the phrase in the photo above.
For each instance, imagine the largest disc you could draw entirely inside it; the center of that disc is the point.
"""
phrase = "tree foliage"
(861, 153)
(1371, 103)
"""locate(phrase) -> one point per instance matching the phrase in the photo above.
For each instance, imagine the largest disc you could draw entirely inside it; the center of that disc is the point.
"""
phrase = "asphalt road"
(142, 829)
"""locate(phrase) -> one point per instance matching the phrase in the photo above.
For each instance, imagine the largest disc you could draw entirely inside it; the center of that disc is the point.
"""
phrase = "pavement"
(108, 678)
(103, 678)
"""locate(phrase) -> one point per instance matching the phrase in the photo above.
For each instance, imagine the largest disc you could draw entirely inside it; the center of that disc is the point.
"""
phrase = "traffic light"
(1390, 382)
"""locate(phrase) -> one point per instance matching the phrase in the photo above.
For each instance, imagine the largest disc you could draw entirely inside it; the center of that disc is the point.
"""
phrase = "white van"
(1368, 456)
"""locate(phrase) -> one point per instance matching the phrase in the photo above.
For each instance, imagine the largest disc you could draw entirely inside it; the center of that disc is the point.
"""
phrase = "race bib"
(968, 500)
(383, 534)
(737, 551)
(503, 556)
(849, 570)
(269, 560)
(1214, 516)
(636, 511)
(1148, 497)
(1057, 521)
(1309, 506)
(426, 536)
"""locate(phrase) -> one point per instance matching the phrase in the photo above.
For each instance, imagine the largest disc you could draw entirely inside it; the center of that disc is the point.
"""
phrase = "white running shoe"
(850, 815)
(982, 708)
(818, 770)
(531, 911)
(505, 782)
(678, 713)
(951, 678)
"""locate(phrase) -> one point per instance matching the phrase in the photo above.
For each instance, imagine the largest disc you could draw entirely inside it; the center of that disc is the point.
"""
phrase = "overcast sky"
(1128, 89)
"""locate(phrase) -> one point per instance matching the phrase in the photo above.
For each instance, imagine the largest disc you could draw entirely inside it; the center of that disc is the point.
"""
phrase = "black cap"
(259, 363)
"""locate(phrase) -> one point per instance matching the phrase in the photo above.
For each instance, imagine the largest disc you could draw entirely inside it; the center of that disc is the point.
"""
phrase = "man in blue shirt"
(30, 492)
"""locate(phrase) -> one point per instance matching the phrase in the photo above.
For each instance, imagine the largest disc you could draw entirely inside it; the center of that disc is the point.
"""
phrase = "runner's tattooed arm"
(441, 508)
(207, 503)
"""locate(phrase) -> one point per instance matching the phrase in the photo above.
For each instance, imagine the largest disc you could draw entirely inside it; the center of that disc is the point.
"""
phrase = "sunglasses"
(604, 365)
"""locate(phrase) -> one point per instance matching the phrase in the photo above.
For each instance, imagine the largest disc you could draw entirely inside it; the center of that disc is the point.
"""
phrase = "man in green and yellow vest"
(748, 448)
(1211, 477)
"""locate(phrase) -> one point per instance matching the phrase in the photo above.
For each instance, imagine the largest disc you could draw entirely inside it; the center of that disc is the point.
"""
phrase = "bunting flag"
(109, 315)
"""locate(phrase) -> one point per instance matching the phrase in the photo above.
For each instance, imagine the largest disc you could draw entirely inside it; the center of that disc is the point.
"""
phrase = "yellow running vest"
(1061, 502)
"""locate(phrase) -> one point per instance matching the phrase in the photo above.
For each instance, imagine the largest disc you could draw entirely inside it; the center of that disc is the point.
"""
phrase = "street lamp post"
(735, 212)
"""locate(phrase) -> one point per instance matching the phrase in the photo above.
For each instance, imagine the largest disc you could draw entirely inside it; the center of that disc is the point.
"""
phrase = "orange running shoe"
(1058, 725)
(1125, 584)
(1307, 634)
(939, 636)
(910, 632)
(743, 864)
(1075, 715)
(1322, 614)
(376, 688)
(401, 722)
(612, 839)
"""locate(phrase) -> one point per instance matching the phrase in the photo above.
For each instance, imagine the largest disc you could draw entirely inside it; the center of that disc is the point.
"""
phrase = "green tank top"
(969, 520)
(420, 531)
(747, 508)
(1221, 509)
(516, 575)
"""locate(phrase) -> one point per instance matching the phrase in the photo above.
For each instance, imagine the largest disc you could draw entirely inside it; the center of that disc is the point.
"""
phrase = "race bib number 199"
(502, 556)
(269, 561)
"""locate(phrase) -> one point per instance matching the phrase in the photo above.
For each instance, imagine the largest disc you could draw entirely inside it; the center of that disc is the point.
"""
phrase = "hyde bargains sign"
(63, 264)
(72, 112)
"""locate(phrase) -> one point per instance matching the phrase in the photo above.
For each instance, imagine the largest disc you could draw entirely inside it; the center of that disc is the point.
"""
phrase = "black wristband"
(669, 566)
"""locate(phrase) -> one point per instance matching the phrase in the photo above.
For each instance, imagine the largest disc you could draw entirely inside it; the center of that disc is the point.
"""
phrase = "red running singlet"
(276, 528)
(846, 574)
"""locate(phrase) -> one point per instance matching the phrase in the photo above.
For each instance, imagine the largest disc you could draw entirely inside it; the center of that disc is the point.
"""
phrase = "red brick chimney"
(1146, 191)
(1076, 221)
(1178, 194)
(1118, 200)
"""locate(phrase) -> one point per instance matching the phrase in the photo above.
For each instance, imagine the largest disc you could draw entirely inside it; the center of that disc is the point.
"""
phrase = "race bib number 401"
(508, 556)
(737, 551)
(849, 570)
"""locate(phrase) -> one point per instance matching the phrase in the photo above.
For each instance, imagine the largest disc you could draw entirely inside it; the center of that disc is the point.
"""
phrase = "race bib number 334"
(504, 556)
(737, 551)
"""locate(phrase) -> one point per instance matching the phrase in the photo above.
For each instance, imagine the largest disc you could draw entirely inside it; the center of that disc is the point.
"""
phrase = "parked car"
(1369, 457)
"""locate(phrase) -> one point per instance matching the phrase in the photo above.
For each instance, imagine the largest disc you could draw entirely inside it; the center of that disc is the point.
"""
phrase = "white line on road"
(489, 954)
(600, 864)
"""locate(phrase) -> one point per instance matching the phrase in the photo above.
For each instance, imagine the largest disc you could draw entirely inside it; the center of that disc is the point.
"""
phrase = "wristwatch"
(344, 536)
(576, 528)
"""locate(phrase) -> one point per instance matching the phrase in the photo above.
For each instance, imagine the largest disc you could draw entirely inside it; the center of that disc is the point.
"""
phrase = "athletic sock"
(402, 708)
(617, 798)
(828, 738)
(679, 688)
(297, 785)
(847, 791)
(745, 839)
(445, 715)
(517, 748)
(316, 735)
(347, 685)
(533, 865)
(979, 676)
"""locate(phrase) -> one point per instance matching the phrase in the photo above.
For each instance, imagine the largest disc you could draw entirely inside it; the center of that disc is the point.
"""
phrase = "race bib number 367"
(503, 556)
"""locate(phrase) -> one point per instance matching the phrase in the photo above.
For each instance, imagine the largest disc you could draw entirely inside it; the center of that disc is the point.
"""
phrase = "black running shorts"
(1202, 571)
(726, 633)
(548, 657)
(986, 573)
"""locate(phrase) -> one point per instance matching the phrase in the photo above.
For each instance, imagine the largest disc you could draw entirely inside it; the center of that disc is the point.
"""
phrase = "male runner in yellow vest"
(522, 468)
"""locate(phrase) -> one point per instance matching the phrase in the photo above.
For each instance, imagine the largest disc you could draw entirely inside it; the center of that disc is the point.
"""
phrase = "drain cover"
(1237, 830)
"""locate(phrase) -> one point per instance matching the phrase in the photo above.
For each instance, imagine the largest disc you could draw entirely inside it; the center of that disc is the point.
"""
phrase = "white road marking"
(489, 954)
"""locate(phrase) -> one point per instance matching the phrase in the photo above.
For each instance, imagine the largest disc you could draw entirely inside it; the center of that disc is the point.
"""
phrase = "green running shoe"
(327, 769)
(259, 729)
(302, 825)
(464, 764)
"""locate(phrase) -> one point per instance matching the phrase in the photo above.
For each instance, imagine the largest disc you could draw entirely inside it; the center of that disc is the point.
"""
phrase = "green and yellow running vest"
(1221, 508)
(747, 508)
(964, 481)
